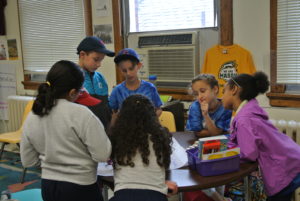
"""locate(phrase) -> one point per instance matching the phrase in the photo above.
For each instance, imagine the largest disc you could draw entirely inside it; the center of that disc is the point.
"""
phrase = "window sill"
(179, 94)
(31, 85)
(284, 100)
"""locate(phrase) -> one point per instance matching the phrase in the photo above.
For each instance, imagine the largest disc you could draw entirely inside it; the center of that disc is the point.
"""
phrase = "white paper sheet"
(105, 170)
(179, 156)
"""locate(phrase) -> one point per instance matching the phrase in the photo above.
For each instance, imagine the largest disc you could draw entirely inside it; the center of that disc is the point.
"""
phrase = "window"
(50, 31)
(285, 56)
(288, 42)
(157, 15)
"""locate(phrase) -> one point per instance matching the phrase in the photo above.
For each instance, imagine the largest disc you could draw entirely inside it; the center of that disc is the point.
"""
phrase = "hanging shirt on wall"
(224, 62)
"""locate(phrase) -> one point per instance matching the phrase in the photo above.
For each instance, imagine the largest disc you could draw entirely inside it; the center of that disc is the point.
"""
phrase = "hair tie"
(48, 83)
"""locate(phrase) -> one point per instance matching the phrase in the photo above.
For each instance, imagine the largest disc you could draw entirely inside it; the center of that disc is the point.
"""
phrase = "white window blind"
(156, 15)
(288, 41)
(50, 31)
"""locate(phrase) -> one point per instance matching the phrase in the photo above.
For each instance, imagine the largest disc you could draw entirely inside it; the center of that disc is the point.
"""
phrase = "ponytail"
(261, 82)
(62, 77)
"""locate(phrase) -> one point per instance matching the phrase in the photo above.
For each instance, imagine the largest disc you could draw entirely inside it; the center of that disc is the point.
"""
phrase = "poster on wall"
(12, 49)
(104, 32)
(3, 49)
(7, 86)
(101, 8)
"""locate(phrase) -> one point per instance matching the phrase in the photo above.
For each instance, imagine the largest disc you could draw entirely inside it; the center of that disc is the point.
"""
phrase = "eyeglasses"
(235, 82)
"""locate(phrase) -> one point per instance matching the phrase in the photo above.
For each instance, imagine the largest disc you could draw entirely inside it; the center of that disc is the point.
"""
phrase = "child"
(278, 155)
(65, 139)
(141, 153)
(207, 117)
(92, 51)
(129, 63)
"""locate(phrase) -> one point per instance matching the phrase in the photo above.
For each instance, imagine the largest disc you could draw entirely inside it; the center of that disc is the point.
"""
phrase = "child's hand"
(172, 188)
(204, 108)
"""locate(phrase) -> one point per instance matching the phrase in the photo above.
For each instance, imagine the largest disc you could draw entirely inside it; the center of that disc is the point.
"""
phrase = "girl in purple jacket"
(277, 154)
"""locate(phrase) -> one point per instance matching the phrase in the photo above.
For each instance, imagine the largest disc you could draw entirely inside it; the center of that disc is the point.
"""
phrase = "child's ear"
(82, 53)
(235, 90)
(216, 89)
(140, 64)
(72, 95)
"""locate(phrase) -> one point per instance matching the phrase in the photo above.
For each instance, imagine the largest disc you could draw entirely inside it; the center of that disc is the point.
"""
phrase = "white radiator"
(292, 129)
(16, 107)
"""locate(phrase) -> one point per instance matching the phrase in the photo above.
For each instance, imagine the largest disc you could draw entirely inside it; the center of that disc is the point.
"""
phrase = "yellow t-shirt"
(224, 62)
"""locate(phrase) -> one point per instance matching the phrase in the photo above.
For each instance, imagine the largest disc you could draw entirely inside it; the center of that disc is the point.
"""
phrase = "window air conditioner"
(171, 57)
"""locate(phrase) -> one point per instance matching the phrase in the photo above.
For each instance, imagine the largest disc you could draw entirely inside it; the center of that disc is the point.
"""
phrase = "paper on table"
(105, 170)
(179, 156)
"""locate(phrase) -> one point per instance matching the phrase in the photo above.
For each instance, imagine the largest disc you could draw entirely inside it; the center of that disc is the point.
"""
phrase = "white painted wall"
(251, 24)
(108, 66)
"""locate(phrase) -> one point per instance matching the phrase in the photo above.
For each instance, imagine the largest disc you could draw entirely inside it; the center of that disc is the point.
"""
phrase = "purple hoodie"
(277, 154)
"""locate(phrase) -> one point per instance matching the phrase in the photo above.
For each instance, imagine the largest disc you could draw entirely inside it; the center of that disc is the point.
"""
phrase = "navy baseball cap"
(126, 53)
(92, 43)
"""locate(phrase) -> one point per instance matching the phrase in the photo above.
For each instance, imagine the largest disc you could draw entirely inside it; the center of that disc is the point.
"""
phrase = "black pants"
(138, 195)
(66, 191)
(280, 198)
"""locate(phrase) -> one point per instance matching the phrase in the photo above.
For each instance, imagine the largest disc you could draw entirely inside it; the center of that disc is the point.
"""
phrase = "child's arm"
(113, 117)
(29, 156)
(96, 140)
(158, 111)
(247, 140)
(212, 129)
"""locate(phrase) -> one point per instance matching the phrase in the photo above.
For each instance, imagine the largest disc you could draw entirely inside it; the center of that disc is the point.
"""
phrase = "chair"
(15, 137)
(167, 120)
(28, 195)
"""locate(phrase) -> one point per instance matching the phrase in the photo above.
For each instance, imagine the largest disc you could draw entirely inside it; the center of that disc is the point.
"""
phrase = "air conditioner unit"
(172, 57)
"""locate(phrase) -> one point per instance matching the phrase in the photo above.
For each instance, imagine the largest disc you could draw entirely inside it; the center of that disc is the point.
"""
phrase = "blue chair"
(28, 195)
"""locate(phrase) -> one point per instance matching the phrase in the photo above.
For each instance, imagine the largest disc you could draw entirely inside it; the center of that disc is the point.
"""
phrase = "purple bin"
(192, 156)
(213, 167)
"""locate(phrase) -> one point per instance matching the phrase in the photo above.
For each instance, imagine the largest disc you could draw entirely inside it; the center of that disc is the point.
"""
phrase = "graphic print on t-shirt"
(228, 70)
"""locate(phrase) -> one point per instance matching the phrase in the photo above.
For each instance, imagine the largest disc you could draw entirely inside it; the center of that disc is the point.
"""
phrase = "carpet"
(11, 172)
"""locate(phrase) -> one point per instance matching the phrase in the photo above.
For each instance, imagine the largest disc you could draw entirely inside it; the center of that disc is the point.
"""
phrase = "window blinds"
(288, 41)
(50, 31)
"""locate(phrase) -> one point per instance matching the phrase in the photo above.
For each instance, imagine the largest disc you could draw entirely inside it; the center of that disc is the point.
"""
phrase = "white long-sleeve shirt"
(68, 143)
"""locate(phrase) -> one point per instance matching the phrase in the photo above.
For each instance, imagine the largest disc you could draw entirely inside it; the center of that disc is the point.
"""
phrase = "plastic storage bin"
(192, 156)
(213, 167)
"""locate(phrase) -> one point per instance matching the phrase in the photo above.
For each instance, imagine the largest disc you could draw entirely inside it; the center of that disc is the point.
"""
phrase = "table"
(190, 180)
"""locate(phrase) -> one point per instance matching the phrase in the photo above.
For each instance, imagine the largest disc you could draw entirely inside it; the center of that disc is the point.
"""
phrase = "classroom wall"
(251, 24)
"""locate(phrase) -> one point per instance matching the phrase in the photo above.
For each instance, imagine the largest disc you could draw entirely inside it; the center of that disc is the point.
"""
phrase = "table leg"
(247, 188)
(105, 193)
(180, 196)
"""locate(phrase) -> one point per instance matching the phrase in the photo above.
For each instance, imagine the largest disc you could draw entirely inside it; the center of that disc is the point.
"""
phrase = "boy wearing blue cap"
(128, 61)
(91, 51)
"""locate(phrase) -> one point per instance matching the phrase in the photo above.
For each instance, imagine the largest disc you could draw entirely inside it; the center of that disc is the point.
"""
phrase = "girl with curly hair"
(141, 153)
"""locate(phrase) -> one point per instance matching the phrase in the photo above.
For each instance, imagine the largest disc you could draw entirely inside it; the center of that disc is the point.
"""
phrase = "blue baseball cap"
(92, 43)
(125, 54)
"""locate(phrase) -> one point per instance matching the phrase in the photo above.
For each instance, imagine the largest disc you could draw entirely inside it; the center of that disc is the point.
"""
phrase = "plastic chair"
(167, 120)
(15, 137)
(28, 195)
